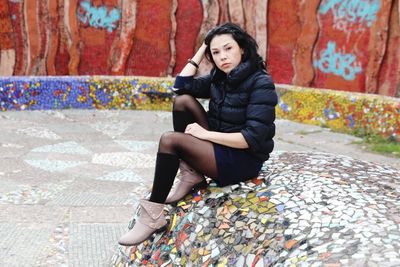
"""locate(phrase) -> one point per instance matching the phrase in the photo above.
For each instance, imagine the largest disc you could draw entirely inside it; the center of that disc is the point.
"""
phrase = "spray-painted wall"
(350, 45)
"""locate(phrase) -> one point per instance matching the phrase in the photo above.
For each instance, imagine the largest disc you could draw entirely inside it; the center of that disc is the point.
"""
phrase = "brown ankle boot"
(188, 180)
(151, 220)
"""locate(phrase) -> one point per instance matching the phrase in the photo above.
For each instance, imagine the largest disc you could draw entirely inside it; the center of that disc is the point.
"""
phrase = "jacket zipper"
(220, 105)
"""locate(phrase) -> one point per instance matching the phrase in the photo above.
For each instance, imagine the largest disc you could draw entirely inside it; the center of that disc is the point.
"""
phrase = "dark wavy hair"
(244, 40)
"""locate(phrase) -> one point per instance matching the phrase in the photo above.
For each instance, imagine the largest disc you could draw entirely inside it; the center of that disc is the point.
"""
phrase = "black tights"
(177, 145)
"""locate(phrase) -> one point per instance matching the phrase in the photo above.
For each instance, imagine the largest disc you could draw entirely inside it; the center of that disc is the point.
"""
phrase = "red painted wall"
(342, 52)
(283, 30)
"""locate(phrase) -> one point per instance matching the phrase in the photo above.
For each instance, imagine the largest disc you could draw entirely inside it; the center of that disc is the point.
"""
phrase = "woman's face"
(225, 52)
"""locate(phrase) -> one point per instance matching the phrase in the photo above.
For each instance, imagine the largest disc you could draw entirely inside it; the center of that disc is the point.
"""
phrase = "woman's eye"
(215, 53)
(228, 48)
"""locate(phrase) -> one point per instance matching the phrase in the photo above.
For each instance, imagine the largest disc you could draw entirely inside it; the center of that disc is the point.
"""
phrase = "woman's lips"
(225, 65)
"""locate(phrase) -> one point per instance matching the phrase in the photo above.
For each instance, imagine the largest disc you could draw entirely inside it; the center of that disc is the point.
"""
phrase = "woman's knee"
(169, 140)
(182, 101)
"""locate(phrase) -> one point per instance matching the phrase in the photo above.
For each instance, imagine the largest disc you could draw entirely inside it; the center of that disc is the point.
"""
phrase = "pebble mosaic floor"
(303, 210)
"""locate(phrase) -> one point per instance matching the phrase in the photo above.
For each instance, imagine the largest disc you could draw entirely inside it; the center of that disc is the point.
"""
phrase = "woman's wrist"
(193, 63)
(209, 136)
(198, 57)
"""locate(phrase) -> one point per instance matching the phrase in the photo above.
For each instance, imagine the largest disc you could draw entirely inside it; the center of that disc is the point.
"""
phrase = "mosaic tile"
(64, 148)
(54, 165)
(39, 133)
(331, 109)
(129, 160)
(267, 221)
(12, 145)
(136, 146)
(126, 175)
(111, 130)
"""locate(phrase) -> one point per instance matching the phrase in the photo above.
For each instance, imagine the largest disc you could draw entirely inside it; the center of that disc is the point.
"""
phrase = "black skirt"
(235, 165)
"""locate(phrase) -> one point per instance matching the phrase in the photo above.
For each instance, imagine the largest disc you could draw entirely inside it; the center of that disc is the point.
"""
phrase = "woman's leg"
(199, 154)
(173, 147)
(186, 110)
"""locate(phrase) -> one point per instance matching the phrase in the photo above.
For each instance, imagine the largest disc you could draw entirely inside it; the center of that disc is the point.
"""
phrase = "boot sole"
(162, 229)
(202, 185)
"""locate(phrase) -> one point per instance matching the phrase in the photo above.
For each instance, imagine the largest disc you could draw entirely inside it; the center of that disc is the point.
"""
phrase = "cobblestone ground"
(69, 179)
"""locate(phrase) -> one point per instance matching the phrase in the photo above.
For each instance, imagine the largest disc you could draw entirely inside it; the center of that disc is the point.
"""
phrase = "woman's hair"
(244, 40)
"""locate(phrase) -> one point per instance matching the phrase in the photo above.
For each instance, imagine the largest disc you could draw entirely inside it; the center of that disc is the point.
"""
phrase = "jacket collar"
(236, 76)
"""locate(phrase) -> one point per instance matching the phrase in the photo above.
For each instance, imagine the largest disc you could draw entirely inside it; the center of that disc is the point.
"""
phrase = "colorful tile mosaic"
(21, 93)
(303, 210)
(343, 111)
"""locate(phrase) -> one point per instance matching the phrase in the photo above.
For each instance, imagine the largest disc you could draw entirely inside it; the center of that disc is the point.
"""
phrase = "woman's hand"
(190, 69)
(235, 140)
(197, 131)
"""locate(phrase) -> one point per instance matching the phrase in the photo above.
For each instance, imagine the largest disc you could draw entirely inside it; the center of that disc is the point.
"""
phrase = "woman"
(229, 143)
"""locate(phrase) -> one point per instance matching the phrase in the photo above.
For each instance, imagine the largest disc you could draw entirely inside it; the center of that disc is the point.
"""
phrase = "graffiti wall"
(350, 45)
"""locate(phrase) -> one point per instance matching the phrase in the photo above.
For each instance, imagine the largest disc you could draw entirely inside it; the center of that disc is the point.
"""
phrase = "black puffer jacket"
(244, 101)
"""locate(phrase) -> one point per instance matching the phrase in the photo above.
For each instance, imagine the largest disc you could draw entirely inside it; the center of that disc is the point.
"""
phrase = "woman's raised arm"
(193, 63)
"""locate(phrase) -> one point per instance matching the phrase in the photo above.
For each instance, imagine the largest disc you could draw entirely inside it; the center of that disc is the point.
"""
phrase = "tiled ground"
(306, 209)
(70, 178)
(20, 243)
(68, 181)
(84, 246)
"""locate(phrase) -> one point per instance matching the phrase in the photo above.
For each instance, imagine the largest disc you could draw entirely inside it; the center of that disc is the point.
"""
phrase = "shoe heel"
(162, 229)
(202, 185)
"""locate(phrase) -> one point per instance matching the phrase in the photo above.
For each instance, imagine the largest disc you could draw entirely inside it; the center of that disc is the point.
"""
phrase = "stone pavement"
(69, 179)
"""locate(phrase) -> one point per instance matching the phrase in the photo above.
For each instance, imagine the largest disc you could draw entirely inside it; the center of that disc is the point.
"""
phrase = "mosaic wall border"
(338, 110)
(84, 92)
(341, 111)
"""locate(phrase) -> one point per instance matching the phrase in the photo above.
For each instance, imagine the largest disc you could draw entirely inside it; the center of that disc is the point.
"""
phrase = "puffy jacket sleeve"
(260, 115)
(198, 87)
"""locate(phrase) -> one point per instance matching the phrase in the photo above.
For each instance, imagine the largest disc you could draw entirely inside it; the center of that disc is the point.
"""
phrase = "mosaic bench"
(342, 111)
(303, 210)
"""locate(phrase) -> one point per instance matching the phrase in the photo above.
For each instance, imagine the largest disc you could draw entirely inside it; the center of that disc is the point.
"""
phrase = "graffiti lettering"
(338, 63)
(352, 11)
(98, 17)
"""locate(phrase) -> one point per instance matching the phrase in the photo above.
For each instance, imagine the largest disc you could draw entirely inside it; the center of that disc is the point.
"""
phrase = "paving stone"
(84, 248)
(91, 199)
(22, 237)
